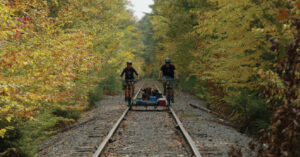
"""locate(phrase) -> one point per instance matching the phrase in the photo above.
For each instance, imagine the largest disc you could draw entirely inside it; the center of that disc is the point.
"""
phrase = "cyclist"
(168, 72)
(129, 72)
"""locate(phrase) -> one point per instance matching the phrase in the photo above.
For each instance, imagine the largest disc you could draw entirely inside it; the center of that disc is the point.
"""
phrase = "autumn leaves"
(53, 52)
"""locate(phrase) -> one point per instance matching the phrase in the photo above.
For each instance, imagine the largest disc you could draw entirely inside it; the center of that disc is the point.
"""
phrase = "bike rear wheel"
(129, 101)
(168, 96)
(169, 101)
(130, 93)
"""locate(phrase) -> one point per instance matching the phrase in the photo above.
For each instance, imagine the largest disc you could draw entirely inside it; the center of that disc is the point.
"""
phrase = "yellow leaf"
(2, 133)
(8, 119)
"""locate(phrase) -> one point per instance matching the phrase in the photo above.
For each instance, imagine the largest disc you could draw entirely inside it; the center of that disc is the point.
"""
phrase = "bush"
(24, 138)
(250, 110)
(95, 96)
(111, 84)
(187, 84)
(33, 132)
(12, 135)
(192, 85)
(70, 114)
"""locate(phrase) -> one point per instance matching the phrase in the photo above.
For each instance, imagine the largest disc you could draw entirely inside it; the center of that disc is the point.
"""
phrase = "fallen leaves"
(283, 15)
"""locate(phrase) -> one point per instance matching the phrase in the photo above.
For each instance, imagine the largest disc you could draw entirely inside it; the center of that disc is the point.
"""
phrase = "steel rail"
(101, 147)
(186, 135)
(184, 132)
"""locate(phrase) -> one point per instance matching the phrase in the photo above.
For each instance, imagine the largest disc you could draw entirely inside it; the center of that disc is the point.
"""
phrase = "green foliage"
(67, 113)
(54, 53)
(24, 139)
(147, 32)
(11, 138)
(110, 84)
(239, 56)
(33, 132)
(95, 96)
(250, 110)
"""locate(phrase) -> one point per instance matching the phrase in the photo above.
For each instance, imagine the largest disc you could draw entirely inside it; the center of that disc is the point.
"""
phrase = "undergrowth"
(110, 85)
(24, 140)
(249, 110)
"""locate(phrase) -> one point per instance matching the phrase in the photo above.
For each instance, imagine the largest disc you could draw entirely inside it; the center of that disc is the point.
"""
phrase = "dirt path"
(146, 133)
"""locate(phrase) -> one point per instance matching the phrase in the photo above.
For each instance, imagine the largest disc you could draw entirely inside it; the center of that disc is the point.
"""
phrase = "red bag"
(162, 102)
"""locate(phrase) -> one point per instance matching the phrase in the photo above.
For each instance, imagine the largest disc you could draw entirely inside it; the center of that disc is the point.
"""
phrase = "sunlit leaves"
(52, 50)
(2, 133)
(238, 46)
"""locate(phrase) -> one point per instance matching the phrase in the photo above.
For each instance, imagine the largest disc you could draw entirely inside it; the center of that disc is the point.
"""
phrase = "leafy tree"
(243, 56)
(149, 45)
(55, 52)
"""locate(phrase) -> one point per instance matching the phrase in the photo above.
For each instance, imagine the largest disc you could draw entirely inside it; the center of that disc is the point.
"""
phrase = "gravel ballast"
(149, 133)
(210, 135)
(146, 133)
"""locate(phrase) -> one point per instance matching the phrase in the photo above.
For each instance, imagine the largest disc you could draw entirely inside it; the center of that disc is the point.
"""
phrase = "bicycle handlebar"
(166, 79)
(129, 80)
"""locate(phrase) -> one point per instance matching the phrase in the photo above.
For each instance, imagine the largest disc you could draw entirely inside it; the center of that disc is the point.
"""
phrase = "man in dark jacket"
(168, 73)
(129, 72)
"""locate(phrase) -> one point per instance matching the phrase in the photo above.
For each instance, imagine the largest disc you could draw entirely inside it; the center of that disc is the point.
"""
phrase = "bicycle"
(129, 90)
(168, 90)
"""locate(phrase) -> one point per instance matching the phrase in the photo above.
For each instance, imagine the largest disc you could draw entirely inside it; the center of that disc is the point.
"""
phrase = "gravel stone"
(212, 138)
(84, 137)
(146, 133)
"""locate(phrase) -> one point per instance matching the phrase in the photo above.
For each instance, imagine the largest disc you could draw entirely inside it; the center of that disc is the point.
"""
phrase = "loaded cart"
(150, 98)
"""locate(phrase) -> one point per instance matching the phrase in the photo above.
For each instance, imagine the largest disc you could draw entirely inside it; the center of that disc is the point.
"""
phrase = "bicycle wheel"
(168, 97)
(129, 95)
(132, 93)
(129, 101)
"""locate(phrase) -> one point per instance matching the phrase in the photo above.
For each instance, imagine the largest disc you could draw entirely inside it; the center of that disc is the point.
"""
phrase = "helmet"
(168, 60)
(129, 62)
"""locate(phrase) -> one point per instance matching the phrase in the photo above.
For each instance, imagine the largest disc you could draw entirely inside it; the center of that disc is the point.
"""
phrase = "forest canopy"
(54, 55)
(242, 58)
(57, 57)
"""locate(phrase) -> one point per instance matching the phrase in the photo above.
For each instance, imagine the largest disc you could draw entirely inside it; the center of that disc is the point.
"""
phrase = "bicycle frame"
(168, 91)
(129, 90)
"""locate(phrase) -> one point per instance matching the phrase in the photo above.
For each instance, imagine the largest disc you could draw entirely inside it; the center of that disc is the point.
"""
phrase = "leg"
(129, 94)
(126, 93)
(169, 98)
(172, 94)
(165, 86)
(131, 91)
(126, 90)
(172, 90)
(133, 86)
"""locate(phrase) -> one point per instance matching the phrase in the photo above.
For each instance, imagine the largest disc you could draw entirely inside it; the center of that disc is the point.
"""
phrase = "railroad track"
(187, 138)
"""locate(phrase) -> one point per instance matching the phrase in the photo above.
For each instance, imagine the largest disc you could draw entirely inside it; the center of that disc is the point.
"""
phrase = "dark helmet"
(129, 62)
(168, 60)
